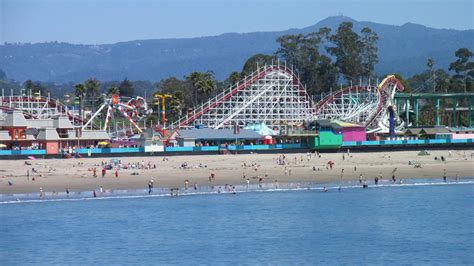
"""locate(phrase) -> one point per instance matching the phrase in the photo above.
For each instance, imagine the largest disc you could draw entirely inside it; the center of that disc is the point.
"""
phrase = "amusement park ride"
(272, 95)
(133, 110)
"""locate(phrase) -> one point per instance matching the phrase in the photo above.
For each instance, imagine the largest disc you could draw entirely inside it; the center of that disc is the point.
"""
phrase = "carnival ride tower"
(133, 110)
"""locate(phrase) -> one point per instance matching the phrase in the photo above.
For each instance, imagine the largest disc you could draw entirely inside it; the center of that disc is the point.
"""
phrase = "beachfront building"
(216, 137)
(52, 134)
(428, 133)
(462, 132)
(332, 133)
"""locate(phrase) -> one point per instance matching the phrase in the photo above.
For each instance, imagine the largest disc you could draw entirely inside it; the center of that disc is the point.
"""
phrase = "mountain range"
(402, 49)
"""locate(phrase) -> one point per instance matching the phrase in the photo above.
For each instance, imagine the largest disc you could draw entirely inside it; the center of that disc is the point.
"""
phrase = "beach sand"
(74, 174)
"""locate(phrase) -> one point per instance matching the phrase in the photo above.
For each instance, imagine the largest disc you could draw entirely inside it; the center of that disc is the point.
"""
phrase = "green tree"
(92, 87)
(80, 92)
(369, 52)
(29, 86)
(126, 88)
(464, 69)
(113, 90)
(202, 85)
(430, 65)
(233, 78)
(348, 51)
(178, 102)
(301, 52)
(256, 60)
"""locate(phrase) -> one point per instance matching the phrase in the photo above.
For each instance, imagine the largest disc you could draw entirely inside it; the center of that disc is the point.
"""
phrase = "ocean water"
(418, 223)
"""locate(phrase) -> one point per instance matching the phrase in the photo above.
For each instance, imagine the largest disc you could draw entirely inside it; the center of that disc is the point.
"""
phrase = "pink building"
(462, 133)
(351, 132)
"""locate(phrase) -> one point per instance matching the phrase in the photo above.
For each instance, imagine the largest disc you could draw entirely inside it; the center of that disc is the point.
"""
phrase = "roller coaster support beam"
(455, 113)
(407, 111)
(437, 106)
(417, 111)
(469, 118)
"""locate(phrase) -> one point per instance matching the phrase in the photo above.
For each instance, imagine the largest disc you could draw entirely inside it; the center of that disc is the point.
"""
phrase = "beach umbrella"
(31, 157)
(2, 146)
(103, 143)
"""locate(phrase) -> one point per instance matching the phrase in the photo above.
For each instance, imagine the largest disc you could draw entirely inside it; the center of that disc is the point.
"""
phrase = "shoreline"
(55, 175)
(268, 187)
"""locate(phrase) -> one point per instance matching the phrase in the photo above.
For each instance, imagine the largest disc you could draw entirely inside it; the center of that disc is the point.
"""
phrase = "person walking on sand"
(28, 175)
(248, 183)
(360, 179)
(116, 173)
(103, 172)
(41, 193)
(186, 183)
(195, 186)
(67, 193)
(94, 194)
(94, 172)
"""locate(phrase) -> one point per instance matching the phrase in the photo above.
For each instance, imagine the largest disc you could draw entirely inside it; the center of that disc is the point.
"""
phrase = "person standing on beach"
(360, 179)
(444, 175)
(28, 175)
(94, 172)
(248, 183)
(376, 180)
(103, 172)
(67, 193)
(94, 194)
(195, 186)
(41, 193)
(186, 183)
(116, 173)
(150, 188)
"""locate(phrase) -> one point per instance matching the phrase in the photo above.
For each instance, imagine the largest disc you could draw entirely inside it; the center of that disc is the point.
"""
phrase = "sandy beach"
(77, 175)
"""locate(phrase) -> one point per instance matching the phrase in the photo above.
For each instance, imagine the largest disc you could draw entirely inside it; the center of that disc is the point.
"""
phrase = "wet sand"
(76, 175)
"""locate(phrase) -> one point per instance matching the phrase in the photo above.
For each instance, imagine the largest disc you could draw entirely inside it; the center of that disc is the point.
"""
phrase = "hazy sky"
(109, 21)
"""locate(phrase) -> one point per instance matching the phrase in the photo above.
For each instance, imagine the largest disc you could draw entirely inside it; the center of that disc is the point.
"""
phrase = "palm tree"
(92, 86)
(113, 90)
(80, 92)
(430, 65)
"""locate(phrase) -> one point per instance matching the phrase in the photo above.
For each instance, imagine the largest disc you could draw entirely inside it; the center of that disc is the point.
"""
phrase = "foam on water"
(268, 187)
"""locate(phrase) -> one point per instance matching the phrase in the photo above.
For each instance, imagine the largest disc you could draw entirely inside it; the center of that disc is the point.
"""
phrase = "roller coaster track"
(34, 107)
(270, 94)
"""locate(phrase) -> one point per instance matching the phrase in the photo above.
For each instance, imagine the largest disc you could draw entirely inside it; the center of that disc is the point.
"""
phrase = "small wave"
(286, 187)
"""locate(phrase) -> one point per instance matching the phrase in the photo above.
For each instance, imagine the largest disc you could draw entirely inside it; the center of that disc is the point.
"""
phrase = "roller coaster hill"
(273, 97)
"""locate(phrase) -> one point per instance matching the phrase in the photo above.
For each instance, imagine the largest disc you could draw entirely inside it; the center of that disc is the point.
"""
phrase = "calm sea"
(414, 224)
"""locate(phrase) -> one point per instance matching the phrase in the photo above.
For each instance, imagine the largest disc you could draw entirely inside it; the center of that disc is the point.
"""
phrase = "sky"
(111, 21)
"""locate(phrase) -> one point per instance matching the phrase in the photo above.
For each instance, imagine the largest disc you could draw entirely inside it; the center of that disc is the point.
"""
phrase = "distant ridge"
(403, 49)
